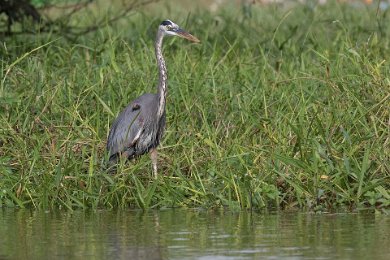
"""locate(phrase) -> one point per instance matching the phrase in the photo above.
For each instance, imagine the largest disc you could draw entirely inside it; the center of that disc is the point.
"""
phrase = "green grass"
(287, 108)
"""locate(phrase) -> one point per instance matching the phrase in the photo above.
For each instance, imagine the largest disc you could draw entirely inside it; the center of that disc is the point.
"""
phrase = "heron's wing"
(126, 130)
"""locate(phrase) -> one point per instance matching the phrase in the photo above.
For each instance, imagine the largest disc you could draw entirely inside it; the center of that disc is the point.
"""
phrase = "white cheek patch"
(171, 33)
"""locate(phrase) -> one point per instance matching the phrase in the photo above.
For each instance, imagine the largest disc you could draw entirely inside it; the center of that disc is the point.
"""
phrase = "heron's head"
(170, 28)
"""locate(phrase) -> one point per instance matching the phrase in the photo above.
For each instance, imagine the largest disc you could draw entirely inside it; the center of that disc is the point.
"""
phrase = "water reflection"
(191, 234)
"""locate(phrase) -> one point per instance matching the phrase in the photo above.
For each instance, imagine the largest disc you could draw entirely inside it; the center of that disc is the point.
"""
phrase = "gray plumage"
(140, 126)
(137, 128)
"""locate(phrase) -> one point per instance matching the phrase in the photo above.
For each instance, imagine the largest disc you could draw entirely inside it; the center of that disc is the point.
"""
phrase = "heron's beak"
(186, 35)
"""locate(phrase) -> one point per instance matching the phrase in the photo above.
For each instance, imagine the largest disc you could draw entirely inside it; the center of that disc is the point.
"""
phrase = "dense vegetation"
(276, 107)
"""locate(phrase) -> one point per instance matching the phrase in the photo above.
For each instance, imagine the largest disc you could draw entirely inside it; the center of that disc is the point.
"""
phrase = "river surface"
(192, 234)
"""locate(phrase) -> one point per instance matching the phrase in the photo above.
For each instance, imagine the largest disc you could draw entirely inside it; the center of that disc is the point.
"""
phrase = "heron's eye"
(169, 27)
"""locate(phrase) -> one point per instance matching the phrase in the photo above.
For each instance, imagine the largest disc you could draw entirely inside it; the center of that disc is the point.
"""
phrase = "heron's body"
(140, 126)
(137, 129)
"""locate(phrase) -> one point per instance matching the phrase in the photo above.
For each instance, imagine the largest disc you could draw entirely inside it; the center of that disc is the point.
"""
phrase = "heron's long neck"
(162, 82)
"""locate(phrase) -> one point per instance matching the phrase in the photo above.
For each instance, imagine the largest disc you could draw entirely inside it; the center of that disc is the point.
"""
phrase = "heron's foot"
(153, 156)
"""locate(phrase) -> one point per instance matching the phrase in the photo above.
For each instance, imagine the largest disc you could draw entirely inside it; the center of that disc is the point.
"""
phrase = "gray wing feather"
(126, 130)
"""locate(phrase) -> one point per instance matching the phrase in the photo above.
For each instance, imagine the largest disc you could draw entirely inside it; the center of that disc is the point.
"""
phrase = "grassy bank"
(278, 108)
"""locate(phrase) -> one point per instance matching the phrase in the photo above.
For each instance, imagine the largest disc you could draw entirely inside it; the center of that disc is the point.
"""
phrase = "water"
(192, 234)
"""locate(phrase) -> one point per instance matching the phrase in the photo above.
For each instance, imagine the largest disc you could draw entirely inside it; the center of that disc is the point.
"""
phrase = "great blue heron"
(140, 126)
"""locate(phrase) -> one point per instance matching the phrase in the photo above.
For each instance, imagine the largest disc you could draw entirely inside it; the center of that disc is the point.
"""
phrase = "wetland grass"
(286, 109)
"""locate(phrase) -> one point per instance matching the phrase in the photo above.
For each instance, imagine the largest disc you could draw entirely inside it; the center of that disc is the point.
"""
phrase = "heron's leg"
(153, 156)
